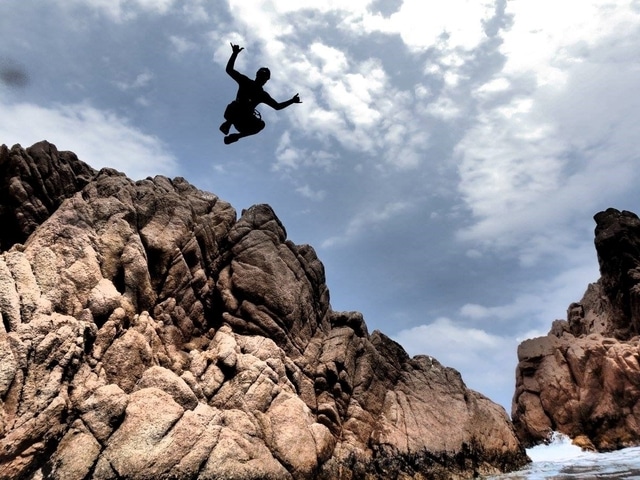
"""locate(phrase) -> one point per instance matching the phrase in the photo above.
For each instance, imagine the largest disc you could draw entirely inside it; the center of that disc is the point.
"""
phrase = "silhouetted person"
(242, 113)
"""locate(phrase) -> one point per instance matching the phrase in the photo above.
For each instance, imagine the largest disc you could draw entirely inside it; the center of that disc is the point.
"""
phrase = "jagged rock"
(33, 184)
(583, 378)
(148, 333)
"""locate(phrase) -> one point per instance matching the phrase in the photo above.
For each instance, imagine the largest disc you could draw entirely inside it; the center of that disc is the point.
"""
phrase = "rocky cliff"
(583, 378)
(148, 333)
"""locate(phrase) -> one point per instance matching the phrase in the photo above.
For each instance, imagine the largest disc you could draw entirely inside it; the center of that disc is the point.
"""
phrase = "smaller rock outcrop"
(583, 378)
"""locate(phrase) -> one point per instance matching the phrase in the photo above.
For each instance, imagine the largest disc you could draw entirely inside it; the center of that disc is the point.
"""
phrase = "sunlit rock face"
(583, 378)
(149, 333)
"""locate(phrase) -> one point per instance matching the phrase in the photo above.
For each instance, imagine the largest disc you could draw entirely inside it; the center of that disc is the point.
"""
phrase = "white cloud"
(278, 10)
(287, 158)
(307, 192)
(445, 337)
(290, 157)
(181, 45)
(493, 86)
(334, 62)
(421, 28)
(553, 138)
(265, 20)
(360, 108)
(157, 6)
(113, 9)
(367, 219)
(444, 108)
(99, 138)
(141, 81)
(448, 24)
(196, 11)
(547, 36)
(127, 10)
(509, 162)
(344, 99)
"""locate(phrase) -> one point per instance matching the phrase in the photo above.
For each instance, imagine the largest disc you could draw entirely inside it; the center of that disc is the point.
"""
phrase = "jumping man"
(242, 113)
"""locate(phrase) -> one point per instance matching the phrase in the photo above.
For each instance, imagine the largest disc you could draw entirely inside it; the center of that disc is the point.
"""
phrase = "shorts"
(245, 121)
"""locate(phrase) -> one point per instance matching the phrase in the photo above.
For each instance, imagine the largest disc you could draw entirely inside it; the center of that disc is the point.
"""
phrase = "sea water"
(560, 460)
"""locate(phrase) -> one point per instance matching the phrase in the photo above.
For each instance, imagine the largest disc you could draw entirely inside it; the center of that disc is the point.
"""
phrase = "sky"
(445, 164)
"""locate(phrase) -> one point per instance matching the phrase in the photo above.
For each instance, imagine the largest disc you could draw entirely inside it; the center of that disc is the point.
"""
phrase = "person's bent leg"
(245, 129)
(229, 115)
(256, 127)
(225, 127)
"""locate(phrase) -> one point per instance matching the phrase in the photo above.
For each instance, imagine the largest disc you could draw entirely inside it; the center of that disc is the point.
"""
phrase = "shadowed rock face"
(583, 378)
(31, 191)
(148, 333)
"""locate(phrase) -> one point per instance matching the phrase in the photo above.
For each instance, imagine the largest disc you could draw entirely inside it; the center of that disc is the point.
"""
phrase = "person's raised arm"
(232, 61)
(280, 105)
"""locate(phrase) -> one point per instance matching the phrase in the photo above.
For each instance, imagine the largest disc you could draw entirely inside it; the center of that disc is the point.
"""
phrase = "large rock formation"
(583, 378)
(147, 333)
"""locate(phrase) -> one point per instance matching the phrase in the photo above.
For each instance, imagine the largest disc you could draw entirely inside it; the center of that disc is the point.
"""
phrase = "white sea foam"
(559, 449)
(560, 460)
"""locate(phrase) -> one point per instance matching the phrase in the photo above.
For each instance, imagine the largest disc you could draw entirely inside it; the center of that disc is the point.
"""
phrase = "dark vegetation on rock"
(148, 333)
(583, 378)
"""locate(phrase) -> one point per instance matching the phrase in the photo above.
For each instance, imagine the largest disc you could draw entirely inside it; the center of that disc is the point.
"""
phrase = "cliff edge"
(149, 333)
(583, 378)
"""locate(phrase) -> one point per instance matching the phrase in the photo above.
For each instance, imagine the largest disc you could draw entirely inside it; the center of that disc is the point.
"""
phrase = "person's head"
(262, 75)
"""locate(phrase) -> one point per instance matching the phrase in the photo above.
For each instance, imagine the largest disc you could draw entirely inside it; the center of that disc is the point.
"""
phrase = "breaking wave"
(560, 460)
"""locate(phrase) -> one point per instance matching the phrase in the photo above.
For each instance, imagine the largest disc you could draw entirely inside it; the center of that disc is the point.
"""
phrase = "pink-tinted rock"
(583, 378)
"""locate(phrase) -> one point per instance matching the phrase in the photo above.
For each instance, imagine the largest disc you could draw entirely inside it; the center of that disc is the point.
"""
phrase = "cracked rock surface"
(583, 378)
(148, 333)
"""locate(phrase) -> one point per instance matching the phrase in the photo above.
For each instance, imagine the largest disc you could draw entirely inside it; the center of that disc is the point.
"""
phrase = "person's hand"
(236, 48)
(296, 98)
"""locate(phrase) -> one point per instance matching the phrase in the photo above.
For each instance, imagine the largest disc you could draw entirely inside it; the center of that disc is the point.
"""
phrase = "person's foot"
(234, 137)
(224, 128)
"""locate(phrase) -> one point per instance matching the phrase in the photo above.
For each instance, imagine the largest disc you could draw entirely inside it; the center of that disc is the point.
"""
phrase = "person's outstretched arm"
(232, 61)
(280, 105)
